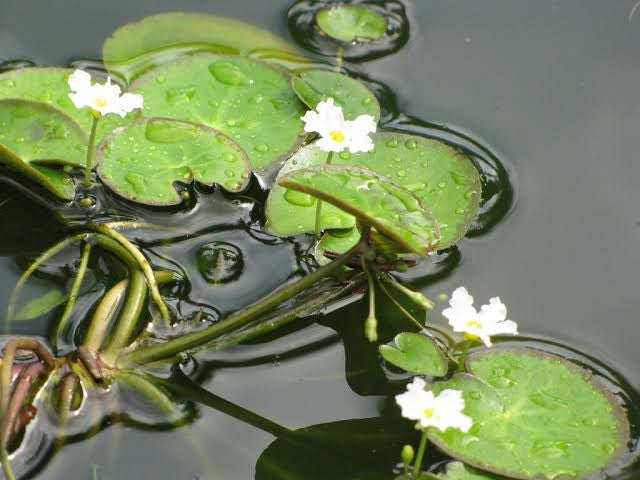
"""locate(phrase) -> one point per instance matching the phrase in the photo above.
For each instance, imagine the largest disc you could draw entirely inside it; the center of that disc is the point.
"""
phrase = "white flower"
(441, 412)
(102, 98)
(490, 320)
(338, 134)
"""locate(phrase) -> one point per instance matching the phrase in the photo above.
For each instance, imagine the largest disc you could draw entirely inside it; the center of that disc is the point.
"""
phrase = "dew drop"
(161, 79)
(261, 148)
(8, 83)
(177, 96)
(228, 73)
(229, 173)
(411, 144)
(442, 185)
(298, 198)
(460, 211)
(367, 101)
(229, 157)
(345, 155)
(392, 144)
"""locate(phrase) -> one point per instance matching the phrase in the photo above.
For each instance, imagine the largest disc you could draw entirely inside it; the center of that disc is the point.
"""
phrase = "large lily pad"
(142, 161)
(535, 415)
(314, 86)
(351, 23)
(375, 200)
(435, 172)
(140, 46)
(248, 100)
(49, 85)
(33, 135)
(416, 353)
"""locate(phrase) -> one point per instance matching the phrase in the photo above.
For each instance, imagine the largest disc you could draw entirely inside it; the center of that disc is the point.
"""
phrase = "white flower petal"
(460, 296)
(79, 80)
(103, 98)
(494, 312)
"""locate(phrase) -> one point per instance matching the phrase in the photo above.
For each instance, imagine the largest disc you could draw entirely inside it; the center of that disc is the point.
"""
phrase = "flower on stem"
(102, 99)
(338, 134)
(442, 411)
(490, 320)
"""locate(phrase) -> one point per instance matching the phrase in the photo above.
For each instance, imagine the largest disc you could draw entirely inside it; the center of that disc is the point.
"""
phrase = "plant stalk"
(160, 351)
(418, 465)
(103, 316)
(318, 227)
(371, 323)
(91, 151)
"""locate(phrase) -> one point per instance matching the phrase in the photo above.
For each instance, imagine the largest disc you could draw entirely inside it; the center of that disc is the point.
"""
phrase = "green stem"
(128, 320)
(318, 227)
(34, 266)
(142, 263)
(416, 297)
(463, 356)
(6, 464)
(418, 465)
(103, 316)
(371, 323)
(91, 151)
(160, 351)
(149, 389)
(73, 296)
(282, 319)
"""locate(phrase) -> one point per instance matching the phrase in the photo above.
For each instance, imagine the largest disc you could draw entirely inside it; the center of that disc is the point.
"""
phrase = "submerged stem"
(103, 316)
(142, 263)
(371, 323)
(318, 230)
(73, 296)
(6, 464)
(47, 254)
(418, 465)
(160, 351)
(91, 151)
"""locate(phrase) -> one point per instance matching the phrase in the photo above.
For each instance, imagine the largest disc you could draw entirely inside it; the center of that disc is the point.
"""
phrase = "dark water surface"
(552, 86)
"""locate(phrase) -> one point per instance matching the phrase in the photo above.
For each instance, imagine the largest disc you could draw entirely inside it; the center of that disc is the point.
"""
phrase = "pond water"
(550, 86)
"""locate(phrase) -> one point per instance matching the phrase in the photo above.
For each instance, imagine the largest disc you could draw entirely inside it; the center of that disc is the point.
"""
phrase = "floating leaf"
(442, 177)
(49, 85)
(335, 241)
(33, 134)
(351, 23)
(142, 45)
(314, 86)
(535, 415)
(250, 101)
(460, 471)
(42, 304)
(142, 161)
(374, 199)
(416, 353)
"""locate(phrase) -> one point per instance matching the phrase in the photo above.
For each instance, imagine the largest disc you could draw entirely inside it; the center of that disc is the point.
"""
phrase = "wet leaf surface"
(350, 23)
(416, 353)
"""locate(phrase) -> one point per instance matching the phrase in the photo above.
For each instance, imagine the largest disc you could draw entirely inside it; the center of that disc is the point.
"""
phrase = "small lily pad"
(438, 174)
(314, 86)
(50, 86)
(248, 100)
(142, 161)
(140, 46)
(351, 23)
(416, 353)
(535, 415)
(33, 135)
(375, 200)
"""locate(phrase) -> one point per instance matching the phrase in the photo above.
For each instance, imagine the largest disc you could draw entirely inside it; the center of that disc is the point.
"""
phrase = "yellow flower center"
(100, 102)
(474, 323)
(429, 412)
(338, 136)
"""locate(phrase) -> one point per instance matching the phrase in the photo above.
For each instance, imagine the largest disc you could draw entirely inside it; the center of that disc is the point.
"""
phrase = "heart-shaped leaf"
(142, 161)
(416, 353)
(535, 415)
(142, 45)
(250, 101)
(33, 135)
(350, 23)
(49, 85)
(314, 86)
(438, 174)
(375, 200)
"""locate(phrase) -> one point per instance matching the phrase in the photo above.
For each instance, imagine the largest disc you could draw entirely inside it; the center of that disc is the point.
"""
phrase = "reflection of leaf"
(41, 305)
(35, 134)
(136, 47)
(142, 161)
(391, 209)
(314, 86)
(416, 353)
(350, 23)
(247, 100)
(439, 175)
(535, 415)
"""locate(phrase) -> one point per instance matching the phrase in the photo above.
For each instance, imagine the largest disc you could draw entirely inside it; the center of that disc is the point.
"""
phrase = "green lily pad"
(460, 471)
(351, 23)
(33, 135)
(442, 177)
(142, 45)
(377, 201)
(335, 241)
(49, 85)
(535, 415)
(314, 86)
(416, 353)
(250, 101)
(142, 161)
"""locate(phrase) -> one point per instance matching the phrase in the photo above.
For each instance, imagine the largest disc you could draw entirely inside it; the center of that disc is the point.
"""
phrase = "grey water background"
(552, 86)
